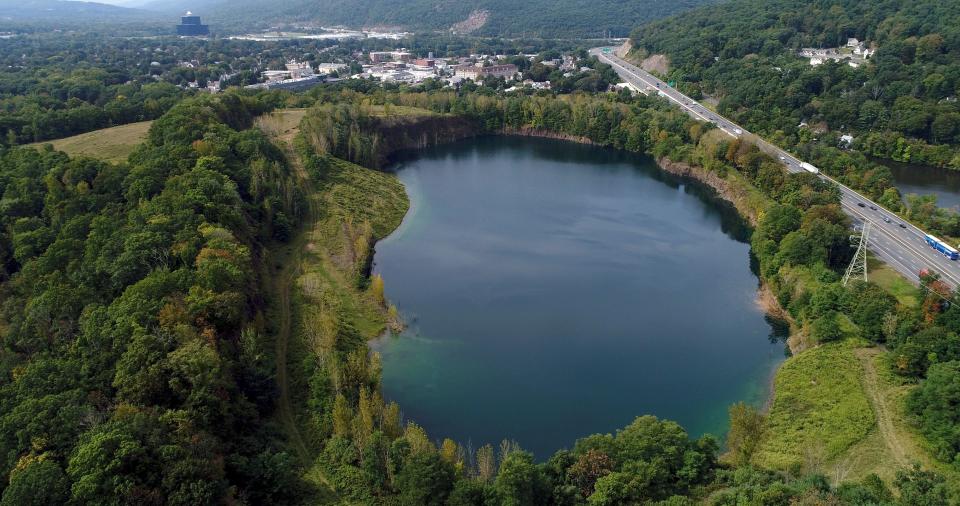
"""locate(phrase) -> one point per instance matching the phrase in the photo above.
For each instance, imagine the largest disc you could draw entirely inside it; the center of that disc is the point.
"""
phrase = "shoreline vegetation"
(731, 188)
(218, 283)
(752, 205)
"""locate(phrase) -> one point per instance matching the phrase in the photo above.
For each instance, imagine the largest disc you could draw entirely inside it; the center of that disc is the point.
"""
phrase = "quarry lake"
(554, 290)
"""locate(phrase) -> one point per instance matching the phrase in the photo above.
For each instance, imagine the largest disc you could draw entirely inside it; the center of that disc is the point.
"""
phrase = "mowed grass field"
(893, 282)
(110, 144)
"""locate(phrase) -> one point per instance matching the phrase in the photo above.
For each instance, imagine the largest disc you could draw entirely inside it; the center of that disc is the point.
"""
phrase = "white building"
(299, 70)
(294, 70)
(326, 68)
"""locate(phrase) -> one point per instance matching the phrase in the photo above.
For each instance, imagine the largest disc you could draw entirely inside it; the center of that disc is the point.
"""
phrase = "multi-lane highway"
(898, 243)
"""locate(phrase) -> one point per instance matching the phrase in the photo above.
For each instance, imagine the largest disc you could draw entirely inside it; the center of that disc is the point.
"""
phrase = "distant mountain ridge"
(68, 12)
(548, 18)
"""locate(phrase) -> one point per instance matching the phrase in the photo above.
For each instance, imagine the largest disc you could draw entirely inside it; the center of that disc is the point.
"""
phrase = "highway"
(894, 241)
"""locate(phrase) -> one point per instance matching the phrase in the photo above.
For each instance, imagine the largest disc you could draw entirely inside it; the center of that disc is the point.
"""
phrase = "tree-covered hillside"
(563, 18)
(68, 13)
(131, 366)
(900, 105)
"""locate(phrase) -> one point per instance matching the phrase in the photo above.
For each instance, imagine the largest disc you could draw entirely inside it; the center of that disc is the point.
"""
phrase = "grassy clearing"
(893, 282)
(356, 194)
(282, 124)
(110, 144)
(398, 110)
(749, 196)
(898, 444)
(350, 197)
(890, 446)
(819, 409)
(746, 197)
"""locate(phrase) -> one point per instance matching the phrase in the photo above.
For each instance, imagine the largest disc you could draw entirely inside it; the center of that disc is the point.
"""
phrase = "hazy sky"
(125, 3)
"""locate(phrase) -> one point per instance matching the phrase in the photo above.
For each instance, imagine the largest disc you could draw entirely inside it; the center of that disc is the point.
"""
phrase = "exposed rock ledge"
(727, 191)
(547, 134)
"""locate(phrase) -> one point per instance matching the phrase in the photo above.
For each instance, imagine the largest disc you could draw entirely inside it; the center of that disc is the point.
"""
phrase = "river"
(553, 290)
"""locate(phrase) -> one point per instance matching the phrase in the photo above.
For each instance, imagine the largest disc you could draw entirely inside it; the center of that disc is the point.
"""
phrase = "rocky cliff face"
(727, 191)
(418, 133)
(475, 21)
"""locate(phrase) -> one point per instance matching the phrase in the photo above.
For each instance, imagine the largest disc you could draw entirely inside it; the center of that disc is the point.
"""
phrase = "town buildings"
(854, 52)
(386, 56)
(329, 68)
(478, 72)
(296, 76)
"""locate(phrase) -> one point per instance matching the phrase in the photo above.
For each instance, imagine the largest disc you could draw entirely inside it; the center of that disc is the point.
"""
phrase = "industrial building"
(297, 76)
(477, 72)
(190, 26)
(385, 56)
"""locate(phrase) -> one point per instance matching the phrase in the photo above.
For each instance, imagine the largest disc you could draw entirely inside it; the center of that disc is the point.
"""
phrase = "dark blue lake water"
(554, 290)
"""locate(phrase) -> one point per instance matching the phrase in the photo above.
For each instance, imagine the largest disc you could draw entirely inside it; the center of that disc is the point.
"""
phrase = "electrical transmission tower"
(858, 266)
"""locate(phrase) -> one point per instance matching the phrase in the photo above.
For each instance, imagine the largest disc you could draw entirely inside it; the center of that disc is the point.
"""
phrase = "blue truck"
(942, 247)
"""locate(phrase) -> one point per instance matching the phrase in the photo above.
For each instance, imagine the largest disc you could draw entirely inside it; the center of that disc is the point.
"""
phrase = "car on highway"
(886, 219)
(902, 225)
(861, 204)
(873, 207)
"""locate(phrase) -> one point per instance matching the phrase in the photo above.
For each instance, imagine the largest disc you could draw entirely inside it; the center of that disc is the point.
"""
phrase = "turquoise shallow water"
(554, 290)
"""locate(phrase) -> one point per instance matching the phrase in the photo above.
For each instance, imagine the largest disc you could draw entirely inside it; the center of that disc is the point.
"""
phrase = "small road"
(893, 240)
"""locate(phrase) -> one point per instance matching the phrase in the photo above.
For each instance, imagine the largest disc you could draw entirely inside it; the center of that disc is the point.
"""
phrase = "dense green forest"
(900, 105)
(141, 303)
(131, 367)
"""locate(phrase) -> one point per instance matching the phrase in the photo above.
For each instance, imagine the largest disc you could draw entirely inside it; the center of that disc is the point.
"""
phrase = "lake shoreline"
(766, 299)
(729, 192)
(736, 220)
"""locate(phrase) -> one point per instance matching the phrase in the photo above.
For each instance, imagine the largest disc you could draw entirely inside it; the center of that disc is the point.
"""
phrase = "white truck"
(809, 168)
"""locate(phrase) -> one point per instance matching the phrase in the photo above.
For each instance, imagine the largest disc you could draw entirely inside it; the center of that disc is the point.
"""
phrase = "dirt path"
(282, 286)
(898, 445)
